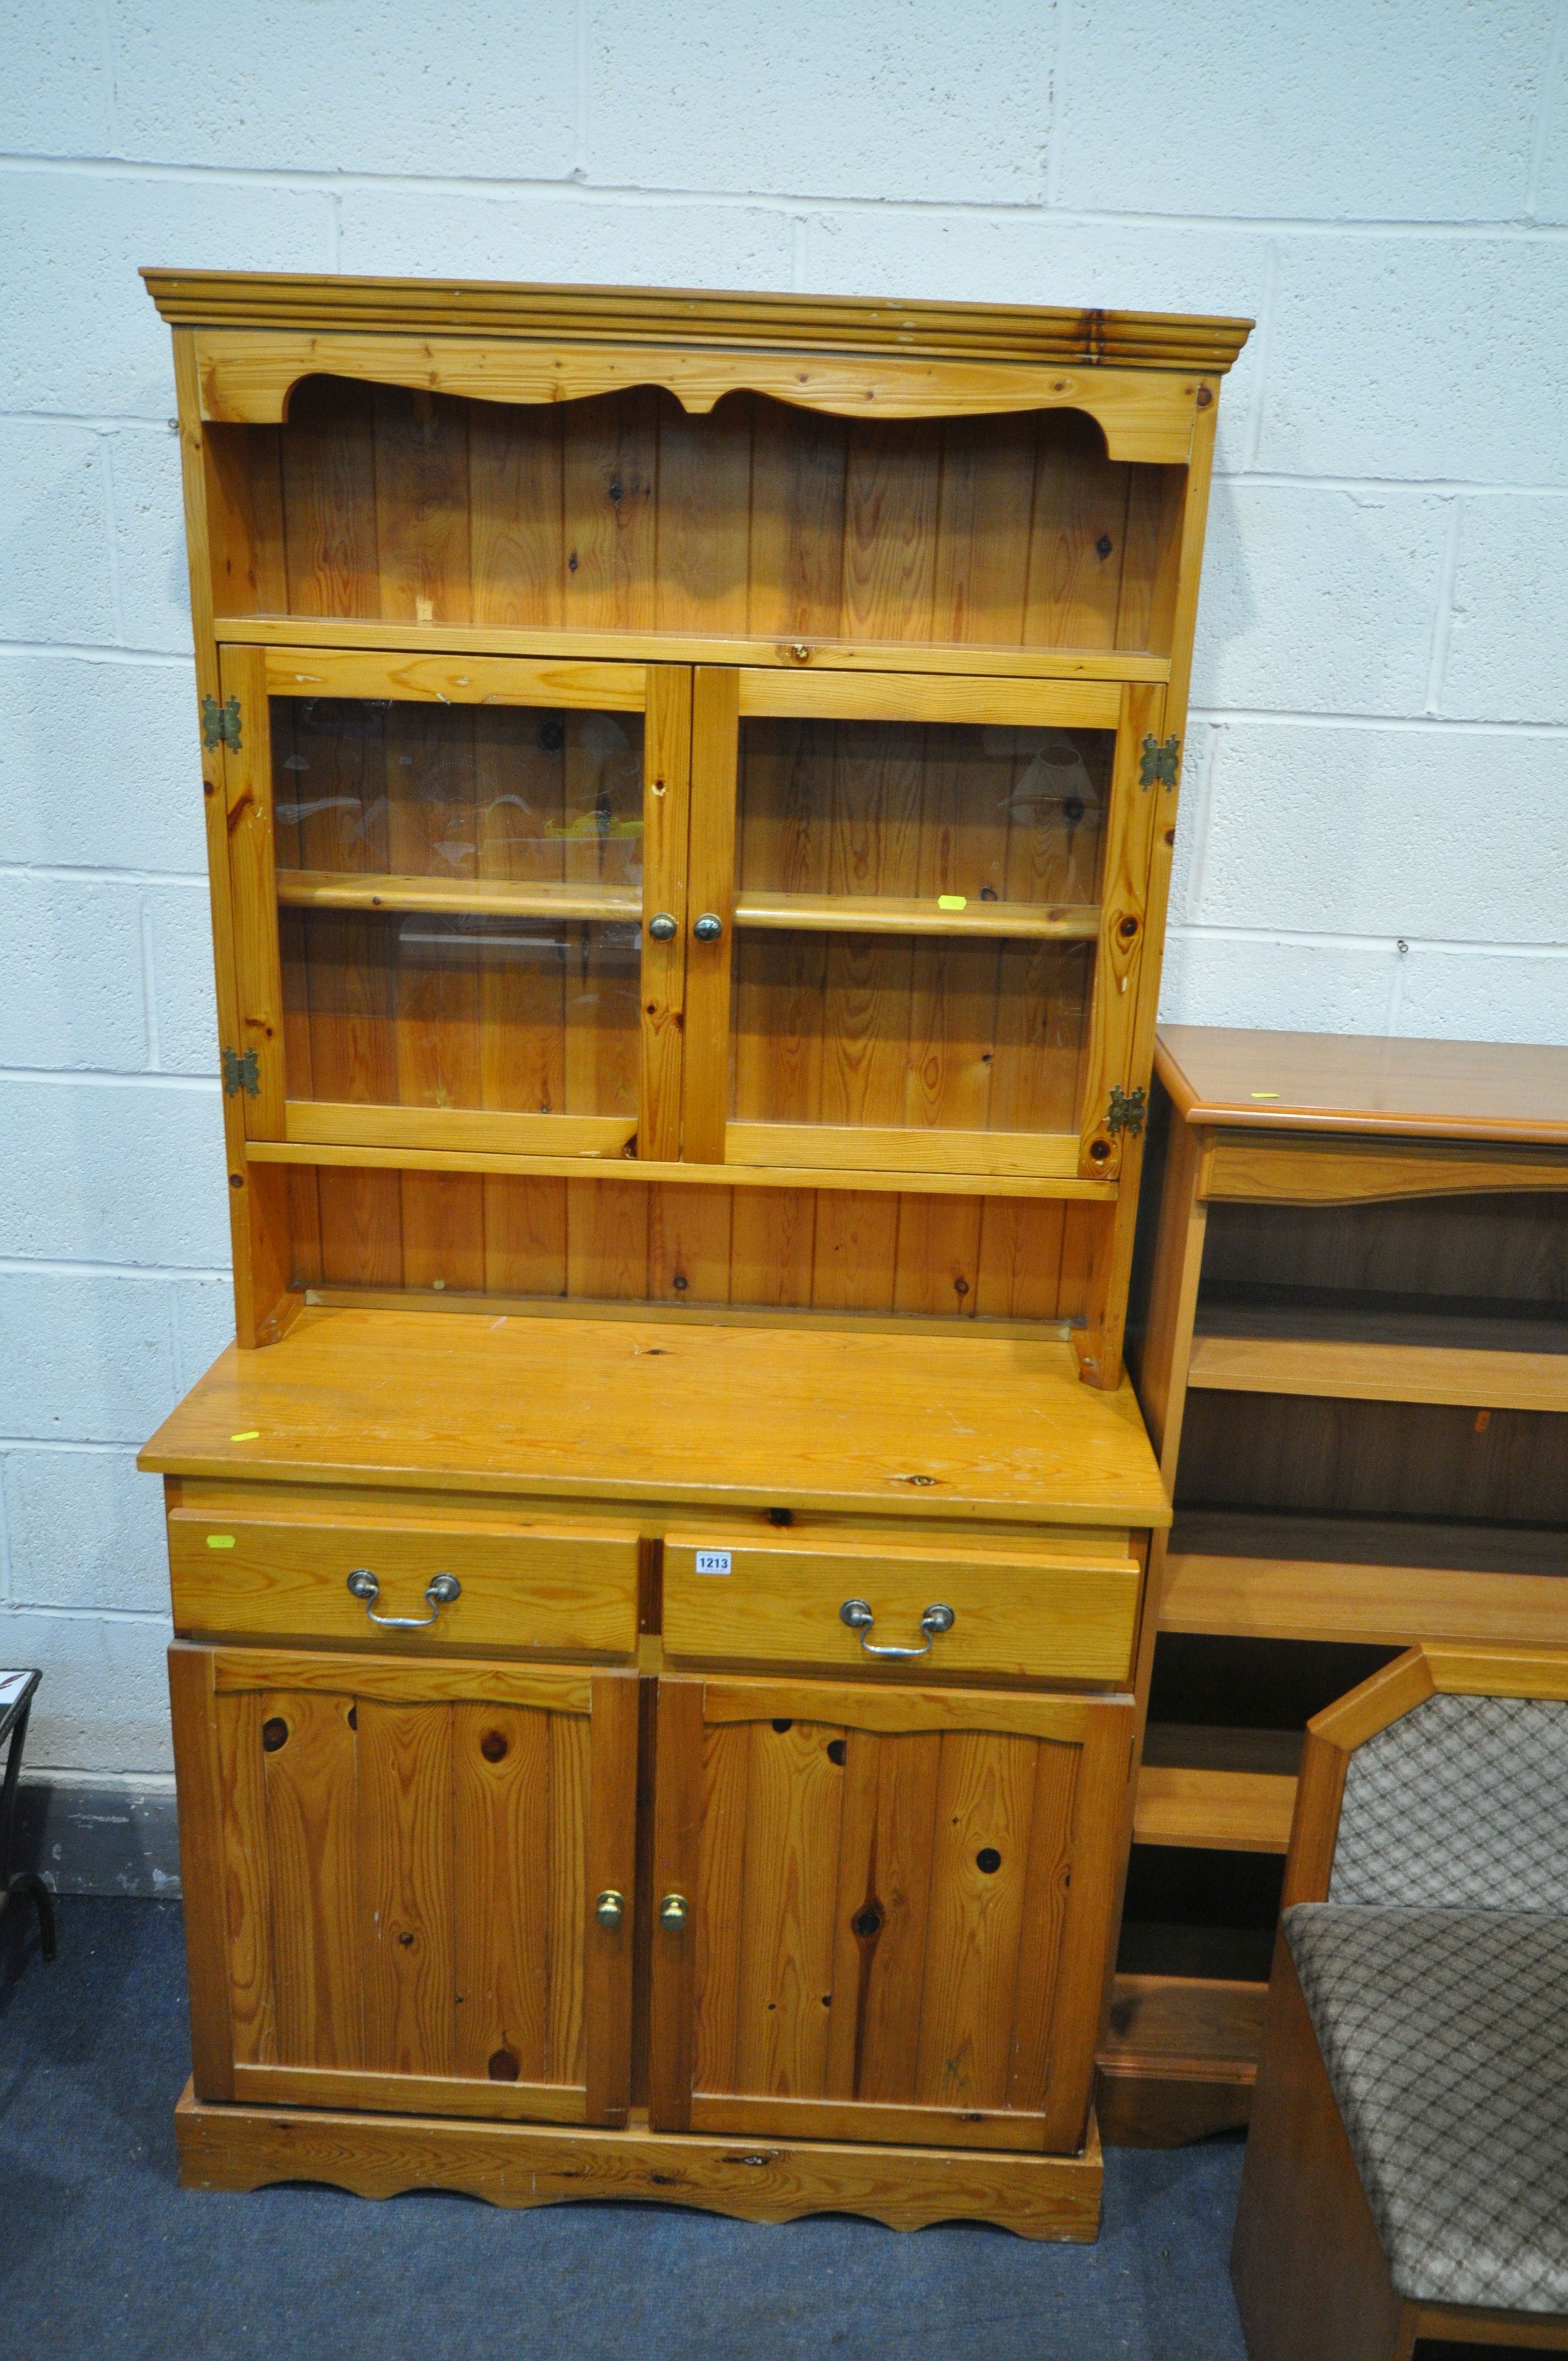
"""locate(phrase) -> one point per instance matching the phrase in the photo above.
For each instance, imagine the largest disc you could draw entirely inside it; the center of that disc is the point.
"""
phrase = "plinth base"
(223, 2146)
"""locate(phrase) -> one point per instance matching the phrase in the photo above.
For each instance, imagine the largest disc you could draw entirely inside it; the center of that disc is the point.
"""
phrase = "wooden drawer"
(568, 1588)
(1045, 1614)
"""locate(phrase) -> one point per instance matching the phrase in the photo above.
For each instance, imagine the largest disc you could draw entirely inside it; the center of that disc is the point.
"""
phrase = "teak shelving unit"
(1352, 1350)
(690, 782)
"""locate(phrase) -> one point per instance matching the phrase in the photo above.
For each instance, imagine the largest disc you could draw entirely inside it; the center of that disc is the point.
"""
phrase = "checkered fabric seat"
(1445, 2038)
(1436, 1976)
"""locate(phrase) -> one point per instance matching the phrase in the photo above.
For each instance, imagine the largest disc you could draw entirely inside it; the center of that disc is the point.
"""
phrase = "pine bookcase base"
(243, 2148)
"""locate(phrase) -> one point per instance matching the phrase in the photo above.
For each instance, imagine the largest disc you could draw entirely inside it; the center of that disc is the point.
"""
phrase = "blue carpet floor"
(103, 2258)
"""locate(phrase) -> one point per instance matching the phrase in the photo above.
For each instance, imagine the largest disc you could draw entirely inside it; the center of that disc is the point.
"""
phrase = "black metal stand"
(14, 1716)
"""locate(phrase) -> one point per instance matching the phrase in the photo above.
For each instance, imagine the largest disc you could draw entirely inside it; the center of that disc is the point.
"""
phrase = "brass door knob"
(610, 1908)
(707, 928)
(672, 1912)
(662, 927)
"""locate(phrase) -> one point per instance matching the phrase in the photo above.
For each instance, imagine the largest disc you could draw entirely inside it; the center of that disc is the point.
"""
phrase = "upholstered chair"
(1406, 2169)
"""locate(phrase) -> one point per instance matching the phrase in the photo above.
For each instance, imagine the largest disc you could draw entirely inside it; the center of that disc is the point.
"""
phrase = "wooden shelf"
(608, 1162)
(879, 914)
(1218, 1811)
(1180, 2059)
(487, 897)
(1333, 1315)
(1349, 1371)
(824, 653)
(1211, 1746)
(1255, 1575)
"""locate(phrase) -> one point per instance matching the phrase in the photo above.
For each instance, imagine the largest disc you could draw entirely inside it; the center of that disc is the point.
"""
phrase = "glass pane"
(918, 810)
(915, 931)
(431, 1009)
(929, 1031)
(457, 791)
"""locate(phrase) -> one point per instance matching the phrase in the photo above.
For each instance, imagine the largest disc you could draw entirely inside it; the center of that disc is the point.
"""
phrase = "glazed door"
(882, 1913)
(917, 910)
(396, 1882)
(458, 894)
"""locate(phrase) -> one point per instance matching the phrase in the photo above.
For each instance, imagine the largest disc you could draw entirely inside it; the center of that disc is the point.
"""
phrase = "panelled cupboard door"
(459, 890)
(396, 1878)
(893, 1911)
(917, 910)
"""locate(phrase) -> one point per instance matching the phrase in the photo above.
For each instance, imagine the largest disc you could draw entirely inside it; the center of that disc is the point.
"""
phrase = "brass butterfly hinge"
(220, 723)
(241, 1074)
(1159, 762)
(1126, 1111)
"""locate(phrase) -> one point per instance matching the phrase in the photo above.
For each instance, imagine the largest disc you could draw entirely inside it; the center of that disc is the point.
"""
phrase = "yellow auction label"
(220, 1541)
(952, 901)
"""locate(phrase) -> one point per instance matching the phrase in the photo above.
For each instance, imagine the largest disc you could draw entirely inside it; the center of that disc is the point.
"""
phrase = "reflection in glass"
(457, 792)
(929, 1032)
(916, 810)
(432, 1009)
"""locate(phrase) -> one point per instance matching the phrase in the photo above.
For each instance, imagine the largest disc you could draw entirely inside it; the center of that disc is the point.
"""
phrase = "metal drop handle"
(610, 1908)
(672, 1913)
(708, 928)
(439, 1591)
(858, 1615)
(662, 926)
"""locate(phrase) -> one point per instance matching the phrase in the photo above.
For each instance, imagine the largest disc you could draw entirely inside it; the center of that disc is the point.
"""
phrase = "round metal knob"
(610, 1908)
(672, 1912)
(662, 927)
(707, 928)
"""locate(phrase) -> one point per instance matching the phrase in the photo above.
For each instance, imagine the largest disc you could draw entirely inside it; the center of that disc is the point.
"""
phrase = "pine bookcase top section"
(734, 1417)
(679, 315)
(1366, 1083)
(601, 688)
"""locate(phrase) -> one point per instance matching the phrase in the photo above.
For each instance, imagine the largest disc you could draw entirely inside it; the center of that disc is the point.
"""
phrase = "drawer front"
(566, 1589)
(1042, 1617)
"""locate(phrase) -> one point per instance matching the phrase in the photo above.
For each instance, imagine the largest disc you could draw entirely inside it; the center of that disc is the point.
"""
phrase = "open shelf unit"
(690, 777)
(1349, 1338)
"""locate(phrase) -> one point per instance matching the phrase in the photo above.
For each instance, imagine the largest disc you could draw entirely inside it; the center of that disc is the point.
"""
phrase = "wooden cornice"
(662, 317)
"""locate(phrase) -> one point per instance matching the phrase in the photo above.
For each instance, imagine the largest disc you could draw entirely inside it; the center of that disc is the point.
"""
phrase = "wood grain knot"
(493, 1746)
(502, 2066)
(274, 1734)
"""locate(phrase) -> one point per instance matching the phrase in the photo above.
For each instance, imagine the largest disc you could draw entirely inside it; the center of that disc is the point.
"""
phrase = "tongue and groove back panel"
(826, 1249)
(622, 513)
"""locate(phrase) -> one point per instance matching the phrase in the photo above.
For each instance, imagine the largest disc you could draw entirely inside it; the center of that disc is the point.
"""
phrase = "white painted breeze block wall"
(1375, 828)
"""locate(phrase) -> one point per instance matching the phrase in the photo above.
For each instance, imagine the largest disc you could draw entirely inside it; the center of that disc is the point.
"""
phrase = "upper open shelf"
(757, 527)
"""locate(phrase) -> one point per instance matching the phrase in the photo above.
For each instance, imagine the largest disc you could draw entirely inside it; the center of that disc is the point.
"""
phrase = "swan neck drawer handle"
(439, 1591)
(858, 1615)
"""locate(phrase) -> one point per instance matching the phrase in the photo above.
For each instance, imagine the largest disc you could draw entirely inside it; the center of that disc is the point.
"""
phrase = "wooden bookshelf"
(1350, 1339)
